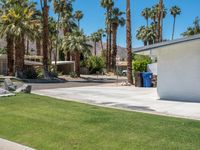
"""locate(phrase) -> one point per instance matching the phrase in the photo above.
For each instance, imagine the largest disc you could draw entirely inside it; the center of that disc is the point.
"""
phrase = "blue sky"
(94, 16)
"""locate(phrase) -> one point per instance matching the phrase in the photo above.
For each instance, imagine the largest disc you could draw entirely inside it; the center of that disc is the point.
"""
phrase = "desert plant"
(95, 64)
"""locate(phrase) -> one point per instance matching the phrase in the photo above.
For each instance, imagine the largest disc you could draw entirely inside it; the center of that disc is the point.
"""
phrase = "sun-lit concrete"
(7, 145)
(131, 98)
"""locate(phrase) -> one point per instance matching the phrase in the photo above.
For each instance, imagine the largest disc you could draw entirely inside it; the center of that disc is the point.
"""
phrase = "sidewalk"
(7, 145)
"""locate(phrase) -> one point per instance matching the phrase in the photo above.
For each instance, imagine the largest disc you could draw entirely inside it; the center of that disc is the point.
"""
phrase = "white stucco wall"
(179, 71)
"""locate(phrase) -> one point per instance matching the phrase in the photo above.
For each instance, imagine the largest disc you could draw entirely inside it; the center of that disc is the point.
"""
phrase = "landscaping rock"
(9, 85)
(25, 89)
(125, 84)
(2, 91)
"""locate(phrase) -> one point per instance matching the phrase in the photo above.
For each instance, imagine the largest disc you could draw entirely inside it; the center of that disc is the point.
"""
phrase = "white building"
(178, 68)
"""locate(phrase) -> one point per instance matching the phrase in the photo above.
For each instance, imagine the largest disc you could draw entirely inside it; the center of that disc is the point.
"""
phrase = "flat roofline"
(167, 43)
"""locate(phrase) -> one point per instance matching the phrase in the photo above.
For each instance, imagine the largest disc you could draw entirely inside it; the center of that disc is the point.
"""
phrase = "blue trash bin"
(147, 79)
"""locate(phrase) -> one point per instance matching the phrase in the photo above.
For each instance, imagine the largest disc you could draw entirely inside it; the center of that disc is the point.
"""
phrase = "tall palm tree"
(38, 34)
(78, 15)
(146, 13)
(45, 14)
(161, 13)
(95, 37)
(76, 43)
(129, 42)
(66, 19)
(175, 10)
(108, 4)
(116, 20)
(101, 34)
(157, 14)
(5, 5)
(19, 20)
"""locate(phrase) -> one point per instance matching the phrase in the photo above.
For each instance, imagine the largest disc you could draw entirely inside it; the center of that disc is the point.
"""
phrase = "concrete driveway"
(129, 98)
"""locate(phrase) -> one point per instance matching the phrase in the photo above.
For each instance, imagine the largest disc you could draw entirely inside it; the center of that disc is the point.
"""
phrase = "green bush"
(140, 63)
(3, 51)
(30, 73)
(73, 75)
(95, 64)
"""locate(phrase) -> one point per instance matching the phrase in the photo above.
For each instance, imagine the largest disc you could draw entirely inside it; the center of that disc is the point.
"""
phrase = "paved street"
(129, 98)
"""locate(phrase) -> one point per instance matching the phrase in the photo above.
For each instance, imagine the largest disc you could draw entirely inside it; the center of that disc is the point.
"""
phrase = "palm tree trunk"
(19, 56)
(159, 21)
(50, 50)
(57, 40)
(110, 40)
(114, 53)
(27, 46)
(38, 47)
(45, 39)
(10, 55)
(101, 43)
(173, 28)
(68, 56)
(107, 47)
(95, 48)
(77, 63)
(129, 42)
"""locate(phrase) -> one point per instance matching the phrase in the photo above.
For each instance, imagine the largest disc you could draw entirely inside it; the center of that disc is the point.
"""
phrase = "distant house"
(178, 68)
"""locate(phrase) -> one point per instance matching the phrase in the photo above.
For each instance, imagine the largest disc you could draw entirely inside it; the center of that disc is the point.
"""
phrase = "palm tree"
(108, 4)
(53, 39)
(45, 14)
(157, 14)
(147, 35)
(5, 5)
(95, 37)
(129, 42)
(146, 13)
(78, 15)
(101, 34)
(193, 30)
(38, 34)
(66, 19)
(175, 10)
(150, 34)
(20, 22)
(116, 20)
(141, 34)
(161, 14)
(76, 43)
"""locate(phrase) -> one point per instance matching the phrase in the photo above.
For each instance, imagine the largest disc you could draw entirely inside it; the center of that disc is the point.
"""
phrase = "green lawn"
(48, 124)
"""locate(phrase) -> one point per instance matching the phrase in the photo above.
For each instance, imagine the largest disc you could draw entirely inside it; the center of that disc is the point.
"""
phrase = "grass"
(48, 124)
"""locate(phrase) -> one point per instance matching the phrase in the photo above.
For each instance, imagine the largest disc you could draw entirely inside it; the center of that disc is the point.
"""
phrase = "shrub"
(95, 64)
(3, 51)
(30, 73)
(73, 75)
(140, 63)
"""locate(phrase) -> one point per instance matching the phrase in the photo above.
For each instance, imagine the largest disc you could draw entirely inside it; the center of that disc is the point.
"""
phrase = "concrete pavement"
(129, 98)
(7, 145)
